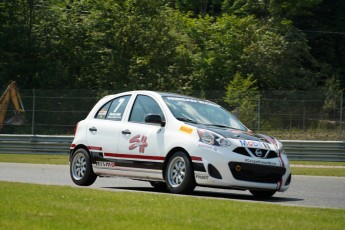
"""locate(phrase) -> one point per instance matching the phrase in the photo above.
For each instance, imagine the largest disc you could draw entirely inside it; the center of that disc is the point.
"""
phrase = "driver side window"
(144, 105)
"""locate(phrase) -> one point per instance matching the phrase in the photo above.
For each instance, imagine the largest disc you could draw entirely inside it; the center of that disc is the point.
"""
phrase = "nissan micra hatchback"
(175, 142)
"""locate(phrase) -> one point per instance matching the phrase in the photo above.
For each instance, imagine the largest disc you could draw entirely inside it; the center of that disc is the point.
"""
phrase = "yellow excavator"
(11, 93)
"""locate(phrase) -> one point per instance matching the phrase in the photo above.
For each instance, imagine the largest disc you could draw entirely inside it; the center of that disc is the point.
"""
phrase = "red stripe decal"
(283, 165)
(196, 158)
(118, 155)
(131, 156)
(94, 148)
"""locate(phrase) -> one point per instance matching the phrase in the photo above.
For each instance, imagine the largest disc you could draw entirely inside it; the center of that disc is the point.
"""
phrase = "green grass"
(28, 206)
(318, 163)
(318, 172)
(34, 159)
(340, 172)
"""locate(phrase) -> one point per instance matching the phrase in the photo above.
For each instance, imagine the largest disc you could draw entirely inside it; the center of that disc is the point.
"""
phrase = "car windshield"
(201, 112)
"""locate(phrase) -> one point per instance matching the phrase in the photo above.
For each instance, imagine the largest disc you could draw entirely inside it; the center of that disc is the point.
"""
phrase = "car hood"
(239, 134)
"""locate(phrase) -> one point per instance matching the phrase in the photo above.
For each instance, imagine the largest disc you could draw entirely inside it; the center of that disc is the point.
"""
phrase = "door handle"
(93, 129)
(126, 132)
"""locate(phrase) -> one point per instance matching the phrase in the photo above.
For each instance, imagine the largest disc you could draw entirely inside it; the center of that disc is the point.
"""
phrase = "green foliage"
(198, 7)
(16, 41)
(332, 90)
(274, 59)
(324, 30)
(270, 9)
(156, 44)
(184, 46)
(242, 95)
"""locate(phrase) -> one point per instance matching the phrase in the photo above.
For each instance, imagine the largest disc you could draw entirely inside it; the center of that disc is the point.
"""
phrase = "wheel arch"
(170, 153)
(80, 146)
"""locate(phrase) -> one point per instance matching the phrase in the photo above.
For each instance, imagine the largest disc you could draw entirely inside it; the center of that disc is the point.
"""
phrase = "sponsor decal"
(181, 99)
(235, 131)
(114, 116)
(192, 100)
(201, 177)
(105, 164)
(102, 113)
(135, 142)
(186, 129)
(258, 152)
(208, 147)
(254, 144)
(260, 162)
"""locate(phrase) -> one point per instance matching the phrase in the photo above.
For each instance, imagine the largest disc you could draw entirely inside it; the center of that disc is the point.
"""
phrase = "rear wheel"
(262, 193)
(81, 168)
(179, 174)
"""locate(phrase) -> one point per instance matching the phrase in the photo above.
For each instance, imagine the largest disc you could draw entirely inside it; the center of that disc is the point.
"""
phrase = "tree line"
(173, 45)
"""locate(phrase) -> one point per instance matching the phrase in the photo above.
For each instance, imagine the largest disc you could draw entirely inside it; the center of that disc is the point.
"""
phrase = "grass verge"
(35, 158)
(57, 207)
(312, 168)
(318, 163)
(318, 171)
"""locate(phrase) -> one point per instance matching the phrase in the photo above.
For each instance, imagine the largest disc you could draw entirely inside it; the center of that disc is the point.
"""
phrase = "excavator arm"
(11, 93)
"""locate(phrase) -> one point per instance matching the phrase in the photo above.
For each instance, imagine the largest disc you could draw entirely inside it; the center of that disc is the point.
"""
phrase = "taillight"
(75, 128)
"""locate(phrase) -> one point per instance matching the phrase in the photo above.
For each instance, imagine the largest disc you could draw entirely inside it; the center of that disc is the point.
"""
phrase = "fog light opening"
(238, 168)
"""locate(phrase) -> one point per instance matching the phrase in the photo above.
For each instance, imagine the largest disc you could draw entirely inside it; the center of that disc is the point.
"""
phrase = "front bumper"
(256, 173)
(232, 170)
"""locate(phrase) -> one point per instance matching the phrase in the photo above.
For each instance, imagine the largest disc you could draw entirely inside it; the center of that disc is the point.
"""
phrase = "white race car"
(175, 142)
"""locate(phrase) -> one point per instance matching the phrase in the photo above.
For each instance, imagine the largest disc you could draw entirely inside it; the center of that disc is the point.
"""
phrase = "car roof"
(164, 94)
(157, 93)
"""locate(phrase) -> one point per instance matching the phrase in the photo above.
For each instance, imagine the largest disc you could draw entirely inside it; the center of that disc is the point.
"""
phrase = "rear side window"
(102, 113)
(114, 109)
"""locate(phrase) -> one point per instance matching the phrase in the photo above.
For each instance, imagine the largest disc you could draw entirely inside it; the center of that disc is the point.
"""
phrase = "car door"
(104, 129)
(141, 144)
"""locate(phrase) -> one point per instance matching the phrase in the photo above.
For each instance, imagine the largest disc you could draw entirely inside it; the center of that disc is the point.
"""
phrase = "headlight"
(212, 138)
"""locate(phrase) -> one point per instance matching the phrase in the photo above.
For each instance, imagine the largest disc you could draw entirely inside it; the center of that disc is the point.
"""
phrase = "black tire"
(263, 193)
(81, 168)
(159, 186)
(179, 175)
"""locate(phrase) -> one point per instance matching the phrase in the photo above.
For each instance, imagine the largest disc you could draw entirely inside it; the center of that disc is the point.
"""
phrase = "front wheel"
(262, 193)
(179, 174)
(81, 168)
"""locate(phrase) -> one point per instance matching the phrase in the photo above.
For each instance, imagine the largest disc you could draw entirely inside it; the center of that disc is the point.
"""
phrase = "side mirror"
(155, 119)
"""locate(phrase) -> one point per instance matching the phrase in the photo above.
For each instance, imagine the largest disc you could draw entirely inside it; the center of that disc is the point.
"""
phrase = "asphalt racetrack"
(309, 191)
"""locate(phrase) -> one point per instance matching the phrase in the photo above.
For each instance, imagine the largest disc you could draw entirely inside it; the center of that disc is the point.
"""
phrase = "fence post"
(259, 111)
(341, 113)
(33, 113)
(304, 116)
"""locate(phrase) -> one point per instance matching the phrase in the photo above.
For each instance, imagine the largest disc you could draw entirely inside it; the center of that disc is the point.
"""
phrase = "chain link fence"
(56, 112)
